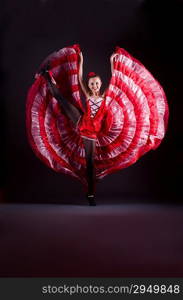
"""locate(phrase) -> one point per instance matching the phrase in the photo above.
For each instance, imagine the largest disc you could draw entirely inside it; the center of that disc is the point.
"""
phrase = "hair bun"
(91, 74)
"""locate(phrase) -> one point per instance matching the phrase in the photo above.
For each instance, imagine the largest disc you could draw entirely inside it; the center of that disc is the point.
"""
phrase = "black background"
(150, 30)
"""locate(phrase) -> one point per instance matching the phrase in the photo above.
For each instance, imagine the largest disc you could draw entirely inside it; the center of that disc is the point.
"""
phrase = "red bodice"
(90, 124)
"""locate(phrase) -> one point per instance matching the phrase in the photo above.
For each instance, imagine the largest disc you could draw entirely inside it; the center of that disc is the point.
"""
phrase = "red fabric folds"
(133, 122)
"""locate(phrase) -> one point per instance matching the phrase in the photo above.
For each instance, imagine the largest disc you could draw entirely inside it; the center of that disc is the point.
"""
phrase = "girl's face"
(94, 84)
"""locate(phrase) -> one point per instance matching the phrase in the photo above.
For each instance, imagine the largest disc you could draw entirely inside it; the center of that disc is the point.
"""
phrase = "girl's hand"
(113, 56)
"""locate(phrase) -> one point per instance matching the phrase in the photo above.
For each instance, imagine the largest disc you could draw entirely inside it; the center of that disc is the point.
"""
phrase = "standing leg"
(90, 168)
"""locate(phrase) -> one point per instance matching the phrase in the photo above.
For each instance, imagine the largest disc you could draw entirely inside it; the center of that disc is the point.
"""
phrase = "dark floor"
(109, 240)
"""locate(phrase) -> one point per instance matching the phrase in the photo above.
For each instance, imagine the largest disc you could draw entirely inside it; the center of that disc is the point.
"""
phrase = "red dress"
(132, 120)
(90, 124)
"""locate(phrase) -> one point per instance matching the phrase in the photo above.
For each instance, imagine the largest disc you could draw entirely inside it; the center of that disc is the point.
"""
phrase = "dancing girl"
(110, 132)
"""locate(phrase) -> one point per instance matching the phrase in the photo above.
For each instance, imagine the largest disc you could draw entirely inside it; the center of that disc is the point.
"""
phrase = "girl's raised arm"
(81, 75)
